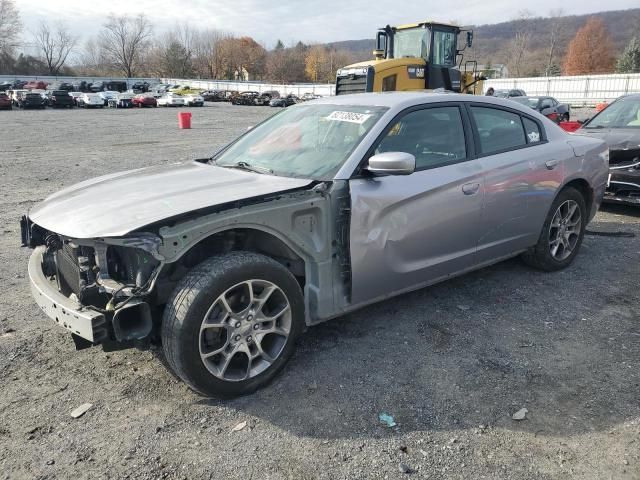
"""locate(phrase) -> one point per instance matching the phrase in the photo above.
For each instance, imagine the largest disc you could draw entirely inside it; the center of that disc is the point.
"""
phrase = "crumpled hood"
(114, 205)
(616, 138)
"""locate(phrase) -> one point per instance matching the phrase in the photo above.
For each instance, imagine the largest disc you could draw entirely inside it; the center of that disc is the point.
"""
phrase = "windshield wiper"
(248, 167)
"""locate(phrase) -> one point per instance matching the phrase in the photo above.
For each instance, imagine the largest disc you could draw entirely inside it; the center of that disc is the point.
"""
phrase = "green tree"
(629, 61)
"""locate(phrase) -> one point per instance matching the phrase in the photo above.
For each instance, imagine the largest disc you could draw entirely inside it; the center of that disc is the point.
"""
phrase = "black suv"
(60, 98)
(31, 100)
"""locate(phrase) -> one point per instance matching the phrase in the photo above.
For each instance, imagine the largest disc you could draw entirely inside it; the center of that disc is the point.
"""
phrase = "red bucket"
(184, 120)
(570, 126)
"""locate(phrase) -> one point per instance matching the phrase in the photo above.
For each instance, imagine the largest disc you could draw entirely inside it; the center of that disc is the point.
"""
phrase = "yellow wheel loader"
(418, 56)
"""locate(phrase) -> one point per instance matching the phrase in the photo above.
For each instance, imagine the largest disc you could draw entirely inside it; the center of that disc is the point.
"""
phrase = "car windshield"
(412, 42)
(620, 114)
(529, 101)
(501, 93)
(306, 141)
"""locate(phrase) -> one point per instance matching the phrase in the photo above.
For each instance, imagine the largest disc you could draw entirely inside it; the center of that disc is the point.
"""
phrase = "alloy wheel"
(245, 330)
(564, 231)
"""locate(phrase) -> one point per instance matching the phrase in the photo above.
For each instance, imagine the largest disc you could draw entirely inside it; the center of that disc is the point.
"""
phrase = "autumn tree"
(629, 61)
(208, 55)
(54, 45)
(243, 56)
(321, 63)
(123, 41)
(590, 51)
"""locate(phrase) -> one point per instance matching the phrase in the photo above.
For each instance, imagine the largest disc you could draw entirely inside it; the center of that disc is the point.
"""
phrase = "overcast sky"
(293, 20)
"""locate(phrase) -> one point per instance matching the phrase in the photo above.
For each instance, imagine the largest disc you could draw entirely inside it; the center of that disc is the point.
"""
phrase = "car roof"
(402, 100)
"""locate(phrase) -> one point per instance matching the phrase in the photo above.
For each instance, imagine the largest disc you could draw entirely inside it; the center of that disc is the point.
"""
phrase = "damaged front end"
(624, 176)
(98, 289)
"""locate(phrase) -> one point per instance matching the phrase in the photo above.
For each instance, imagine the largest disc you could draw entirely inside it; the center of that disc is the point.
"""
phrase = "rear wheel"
(562, 233)
(232, 323)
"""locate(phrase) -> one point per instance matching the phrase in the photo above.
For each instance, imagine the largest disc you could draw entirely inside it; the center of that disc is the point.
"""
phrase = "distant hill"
(491, 41)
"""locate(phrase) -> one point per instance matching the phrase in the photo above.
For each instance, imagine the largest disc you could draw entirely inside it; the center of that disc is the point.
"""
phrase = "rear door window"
(532, 130)
(498, 130)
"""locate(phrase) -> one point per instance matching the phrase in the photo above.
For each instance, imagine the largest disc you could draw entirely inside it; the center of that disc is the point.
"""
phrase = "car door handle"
(551, 164)
(470, 188)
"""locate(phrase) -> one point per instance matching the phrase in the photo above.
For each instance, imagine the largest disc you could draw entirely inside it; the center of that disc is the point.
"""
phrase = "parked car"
(4, 86)
(144, 100)
(140, 87)
(319, 210)
(509, 93)
(5, 102)
(18, 84)
(61, 86)
(309, 96)
(214, 96)
(14, 94)
(548, 106)
(264, 98)
(97, 87)
(193, 100)
(284, 101)
(121, 100)
(170, 100)
(75, 96)
(108, 95)
(60, 98)
(619, 126)
(35, 84)
(186, 90)
(245, 98)
(31, 100)
(90, 100)
(81, 86)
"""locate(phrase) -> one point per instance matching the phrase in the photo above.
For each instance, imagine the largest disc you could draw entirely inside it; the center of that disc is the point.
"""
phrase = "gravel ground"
(451, 363)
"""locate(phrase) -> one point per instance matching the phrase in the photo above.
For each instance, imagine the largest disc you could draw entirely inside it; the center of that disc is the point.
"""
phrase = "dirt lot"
(451, 363)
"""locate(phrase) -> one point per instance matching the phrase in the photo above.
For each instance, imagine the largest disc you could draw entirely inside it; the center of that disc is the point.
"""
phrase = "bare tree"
(10, 26)
(520, 43)
(123, 40)
(556, 29)
(54, 46)
(208, 58)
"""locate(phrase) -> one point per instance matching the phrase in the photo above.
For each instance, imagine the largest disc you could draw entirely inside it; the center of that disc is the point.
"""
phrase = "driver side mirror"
(469, 39)
(392, 163)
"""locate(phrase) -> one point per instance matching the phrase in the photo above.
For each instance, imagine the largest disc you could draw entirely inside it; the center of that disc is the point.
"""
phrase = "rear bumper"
(66, 312)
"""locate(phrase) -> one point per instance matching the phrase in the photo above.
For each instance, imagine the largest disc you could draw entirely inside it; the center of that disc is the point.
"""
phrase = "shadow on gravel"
(472, 351)
(619, 209)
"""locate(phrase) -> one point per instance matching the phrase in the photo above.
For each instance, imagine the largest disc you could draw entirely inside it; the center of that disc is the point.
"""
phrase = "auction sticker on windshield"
(352, 117)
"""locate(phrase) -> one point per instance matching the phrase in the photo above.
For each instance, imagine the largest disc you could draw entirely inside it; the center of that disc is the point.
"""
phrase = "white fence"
(583, 90)
(323, 89)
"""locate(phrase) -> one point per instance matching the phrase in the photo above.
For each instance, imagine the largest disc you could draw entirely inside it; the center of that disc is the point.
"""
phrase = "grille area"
(351, 84)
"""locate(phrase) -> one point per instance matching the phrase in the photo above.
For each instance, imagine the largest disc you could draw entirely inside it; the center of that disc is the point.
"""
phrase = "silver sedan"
(325, 207)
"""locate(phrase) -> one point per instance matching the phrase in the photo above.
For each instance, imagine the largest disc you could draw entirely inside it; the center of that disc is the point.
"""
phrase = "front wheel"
(232, 323)
(562, 233)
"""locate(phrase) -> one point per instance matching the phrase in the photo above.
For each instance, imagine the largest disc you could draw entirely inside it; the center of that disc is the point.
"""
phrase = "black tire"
(192, 298)
(539, 256)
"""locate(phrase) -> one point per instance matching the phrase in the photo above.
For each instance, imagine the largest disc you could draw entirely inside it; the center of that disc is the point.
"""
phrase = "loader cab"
(436, 44)
(411, 57)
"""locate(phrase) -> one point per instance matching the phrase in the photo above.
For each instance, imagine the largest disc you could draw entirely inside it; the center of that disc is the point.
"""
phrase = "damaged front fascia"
(147, 242)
